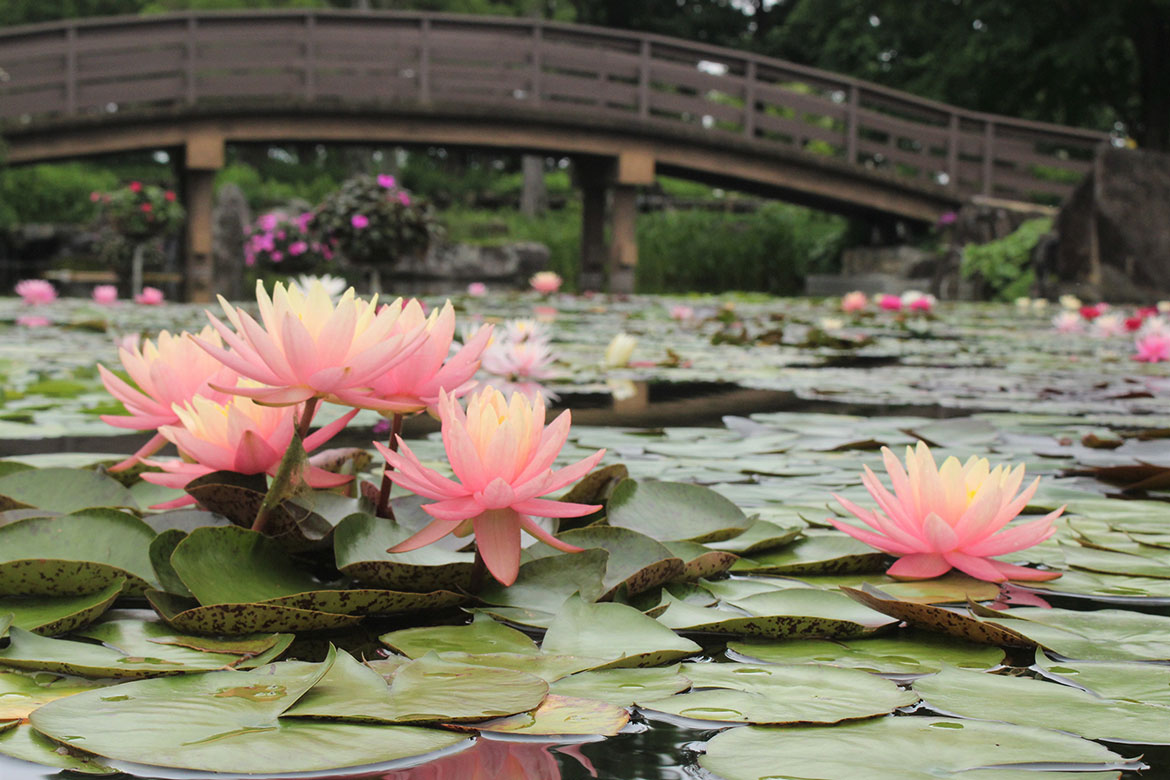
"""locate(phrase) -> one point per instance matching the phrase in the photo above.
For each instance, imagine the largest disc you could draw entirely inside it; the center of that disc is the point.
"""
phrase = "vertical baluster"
(424, 66)
(537, 61)
(644, 80)
(851, 124)
(310, 72)
(988, 157)
(71, 69)
(953, 152)
(192, 51)
(749, 100)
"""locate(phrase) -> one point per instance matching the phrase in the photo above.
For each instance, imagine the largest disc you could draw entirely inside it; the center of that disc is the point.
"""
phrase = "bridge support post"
(202, 157)
(592, 174)
(634, 169)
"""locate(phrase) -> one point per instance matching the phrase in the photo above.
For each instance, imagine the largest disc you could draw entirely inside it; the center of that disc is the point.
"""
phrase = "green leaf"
(821, 554)
(101, 536)
(20, 693)
(910, 652)
(28, 744)
(790, 613)
(1100, 635)
(560, 716)
(62, 490)
(1018, 700)
(898, 749)
(427, 690)
(151, 638)
(482, 635)
(622, 686)
(50, 615)
(544, 584)
(635, 561)
(675, 511)
(761, 537)
(190, 617)
(160, 558)
(360, 543)
(1143, 682)
(618, 633)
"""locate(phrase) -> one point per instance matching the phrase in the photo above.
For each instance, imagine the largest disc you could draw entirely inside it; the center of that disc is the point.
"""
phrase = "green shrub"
(1004, 265)
(263, 193)
(559, 230)
(55, 193)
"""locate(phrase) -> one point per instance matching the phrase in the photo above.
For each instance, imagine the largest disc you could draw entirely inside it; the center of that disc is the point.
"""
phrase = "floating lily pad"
(622, 687)
(51, 615)
(544, 584)
(559, 716)
(762, 536)
(1139, 682)
(189, 616)
(900, 749)
(360, 543)
(951, 588)
(427, 690)
(681, 616)
(49, 577)
(160, 558)
(1017, 700)
(482, 635)
(150, 638)
(228, 722)
(62, 490)
(28, 744)
(621, 634)
(547, 667)
(910, 652)
(820, 554)
(636, 562)
(1101, 635)
(699, 561)
(670, 511)
(945, 621)
(21, 693)
(99, 536)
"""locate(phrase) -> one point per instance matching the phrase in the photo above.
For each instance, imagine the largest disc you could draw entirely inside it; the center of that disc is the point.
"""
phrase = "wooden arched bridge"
(626, 106)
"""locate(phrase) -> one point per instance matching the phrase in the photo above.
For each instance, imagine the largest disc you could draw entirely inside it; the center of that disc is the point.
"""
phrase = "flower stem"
(289, 470)
(307, 417)
(384, 509)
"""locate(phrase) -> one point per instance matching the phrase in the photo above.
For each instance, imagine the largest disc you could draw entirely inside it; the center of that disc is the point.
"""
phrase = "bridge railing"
(96, 66)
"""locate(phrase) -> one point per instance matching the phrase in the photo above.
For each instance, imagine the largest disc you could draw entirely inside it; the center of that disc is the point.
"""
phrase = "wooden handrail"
(90, 66)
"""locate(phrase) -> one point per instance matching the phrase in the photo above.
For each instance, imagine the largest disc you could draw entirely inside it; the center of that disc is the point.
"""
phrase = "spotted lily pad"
(910, 652)
(94, 536)
(901, 749)
(50, 615)
(141, 638)
(762, 536)
(427, 690)
(675, 511)
(27, 744)
(238, 497)
(62, 490)
(360, 543)
(945, 621)
(1017, 700)
(189, 616)
(544, 584)
(636, 562)
(616, 632)
(700, 561)
(819, 554)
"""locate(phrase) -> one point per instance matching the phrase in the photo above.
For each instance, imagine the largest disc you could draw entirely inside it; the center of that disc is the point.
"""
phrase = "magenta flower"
(502, 455)
(105, 294)
(33, 321)
(949, 516)
(477, 289)
(360, 221)
(150, 296)
(386, 180)
(1152, 347)
(298, 248)
(890, 302)
(36, 291)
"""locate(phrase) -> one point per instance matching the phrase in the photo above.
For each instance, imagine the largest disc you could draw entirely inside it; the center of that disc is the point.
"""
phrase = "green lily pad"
(675, 511)
(1139, 682)
(833, 553)
(51, 615)
(62, 490)
(618, 633)
(910, 652)
(1101, 635)
(699, 561)
(1107, 588)
(28, 744)
(49, 577)
(100, 536)
(5, 623)
(238, 497)
(544, 584)
(563, 716)
(482, 635)
(951, 588)
(762, 536)
(636, 562)
(160, 558)
(216, 619)
(427, 690)
(21, 693)
(1017, 700)
(228, 722)
(898, 749)
(360, 543)
(547, 667)
(622, 687)
(682, 616)
(151, 638)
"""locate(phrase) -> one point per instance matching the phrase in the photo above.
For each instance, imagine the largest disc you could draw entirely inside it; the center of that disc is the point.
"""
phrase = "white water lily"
(619, 351)
(334, 285)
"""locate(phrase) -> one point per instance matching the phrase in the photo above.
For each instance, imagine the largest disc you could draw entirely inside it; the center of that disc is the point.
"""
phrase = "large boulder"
(1114, 231)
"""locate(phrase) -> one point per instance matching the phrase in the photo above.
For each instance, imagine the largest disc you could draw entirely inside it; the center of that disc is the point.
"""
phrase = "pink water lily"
(949, 516)
(502, 455)
(171, 372)
(546, 282)
(1152, 347)
(413, 385)
(854, 301)
(237, 435)
(36, 291)
(309, 348)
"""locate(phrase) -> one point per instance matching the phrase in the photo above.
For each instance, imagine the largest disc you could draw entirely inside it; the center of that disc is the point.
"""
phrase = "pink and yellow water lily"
(950, 516)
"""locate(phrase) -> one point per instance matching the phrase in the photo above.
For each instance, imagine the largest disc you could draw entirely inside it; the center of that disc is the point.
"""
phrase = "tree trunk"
(1149, 27)
(533, 195)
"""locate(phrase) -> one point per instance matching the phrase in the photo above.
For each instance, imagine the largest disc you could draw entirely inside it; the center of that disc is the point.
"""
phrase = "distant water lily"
(546, 282)
(915, 300)
(1070, 302)
(334, 285)
(33, 321)
(502, 455)
(477, 289)
(105, 294)
(620, 350)
(150, 296)
(1152, 347)
(854, 301)
(36, 291)
(890, 302)
(1108, 325)
(953, 516)
(1068, 321)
